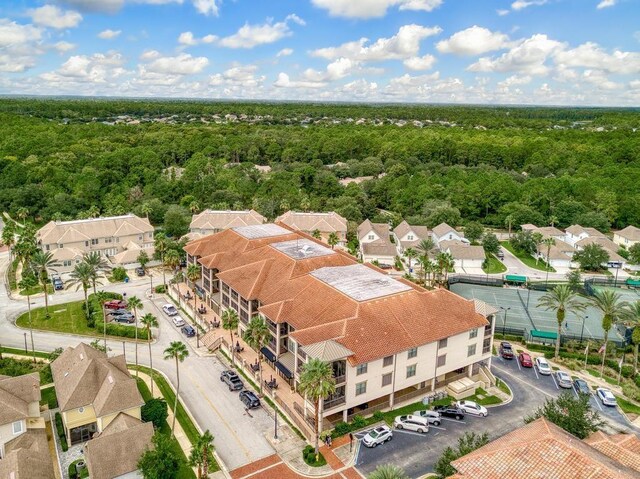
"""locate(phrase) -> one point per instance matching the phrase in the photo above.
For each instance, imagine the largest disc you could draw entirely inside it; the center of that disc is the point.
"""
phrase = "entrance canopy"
(536, 334)
(514, 278)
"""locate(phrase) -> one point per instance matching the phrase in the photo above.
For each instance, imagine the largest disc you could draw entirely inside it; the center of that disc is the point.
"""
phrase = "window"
(66, 262)
(370, 237)
(443, 343)
(81, 410)
(409, 237)
(473, 333)
(361, 369)
(471, 350)
(46, 247)
(60, 246)
(108, 240)
(386, 379)
(94, 241)
(117, 239)
(361, 388)
(17, 427)
(442, 360)
(388, 361)
(412, 353)
(411, 371)
(140, 237)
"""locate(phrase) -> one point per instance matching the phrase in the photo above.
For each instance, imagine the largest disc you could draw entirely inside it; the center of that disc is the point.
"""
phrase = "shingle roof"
(84, 376)
(378, 248)
(623, 448)
(27, 457)
(539, 450)
(131, 253)
(117, 449)
(442, 229)
(577, 230)
(15, 395)
(222, 220)
(404, 228)
(467, 252)
(323, 222)
(82, 230)
(558, 251)
(603, 241)
(381, 229)
(630, 232)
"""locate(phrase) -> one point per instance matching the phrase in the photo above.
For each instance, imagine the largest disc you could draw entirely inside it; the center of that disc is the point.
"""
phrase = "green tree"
(176, 221)
(99, 267)
(634, 253)
(146, 209)
(630, 316)
(445, 264)
(316, 234)
(201, 455)
(561, 299)
(194, 272)
(179, 352)
(316, 383)
(81, 278)
(388, 471)
(571, 413)
(155, 410)
(509, 221)
(230, 323)
(575, 279)
(143, 259)
(27, 283)
(9, 236)
(333, 239)
(490, 243)
(473, 231)
(161, 245)
(161, 461)
(257, 336)
(102, 298)
(591, 257)
(537, 239)
(41, 263)
(610, 304)
(466, 444)
(135, 303)
(149, 321)
(523, 241)
(171, 260)
(410, 253)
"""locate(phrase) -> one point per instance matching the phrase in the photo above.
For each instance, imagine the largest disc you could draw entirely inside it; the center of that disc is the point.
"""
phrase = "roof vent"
(81, 356)
(110, 378)
(66, 374)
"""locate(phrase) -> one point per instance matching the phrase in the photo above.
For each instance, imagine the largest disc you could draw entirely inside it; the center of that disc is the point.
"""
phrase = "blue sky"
(561, 52)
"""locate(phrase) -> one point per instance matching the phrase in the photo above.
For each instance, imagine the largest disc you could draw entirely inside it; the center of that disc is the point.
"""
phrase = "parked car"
(116, 304)
(232, 380)
(125, 318)
(57, 283)
(606, 397)
(500, 255)
(472, 407)
(506, 351)
(412, 423)
(450, 411)
(188, 331)
(249, 399)
(118, 312)
(525, 360)
(378, 435)
(563, 380)
(432, 416)
(178, 321)
(543, 366)
(581, 386)
(170, 309)
(140, 271)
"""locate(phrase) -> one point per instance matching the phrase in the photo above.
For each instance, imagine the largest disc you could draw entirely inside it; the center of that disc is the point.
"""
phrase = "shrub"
(378, 416)
(118, 273)
(341, 429)
(630, 391)
(155, 411)
(358, 422)
(123, 331)
(73, 471)
(161, 289)
(61, 434)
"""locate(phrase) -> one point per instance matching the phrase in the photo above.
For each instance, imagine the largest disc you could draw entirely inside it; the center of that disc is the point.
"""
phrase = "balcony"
(340, 379)
(338, 401)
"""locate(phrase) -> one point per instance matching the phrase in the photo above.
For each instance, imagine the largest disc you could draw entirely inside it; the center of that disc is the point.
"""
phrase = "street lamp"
(504, 322)
(584, 320)
(275, 417)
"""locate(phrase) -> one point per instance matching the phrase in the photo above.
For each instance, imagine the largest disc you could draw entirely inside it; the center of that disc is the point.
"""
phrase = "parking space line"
(518, 363)
(453, 420)
(412, 433)
(524, 382)
(437, 427)
(554, 382)
(597, 402)
(536, 372)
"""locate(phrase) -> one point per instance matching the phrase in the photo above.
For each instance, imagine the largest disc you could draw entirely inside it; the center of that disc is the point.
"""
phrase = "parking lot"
(418, 453)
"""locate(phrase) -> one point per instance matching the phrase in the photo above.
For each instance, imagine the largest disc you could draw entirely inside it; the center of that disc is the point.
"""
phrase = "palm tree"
(99, 267)
(9, 236)
(41, 263)
(256, 336)
(22, 213)
(537, 240)
(29, 282)
(193, 275)
(631, 319)
(611, 306)
(149, 321)
(316, 383)
(178, 351)
(177, 279)
(333, 239)
(508, 221)
(316, 234)
(146, 209)
(102, 298)
(134, 303)
(81, 277)
(230, 323)
(548, 242)
(171, 260)
(445, 263)
(562, 299)
(425, 246)
(410, 253)
(553, 219)
(202, 454)
(388, 471)
(194, 207)
(161, 244)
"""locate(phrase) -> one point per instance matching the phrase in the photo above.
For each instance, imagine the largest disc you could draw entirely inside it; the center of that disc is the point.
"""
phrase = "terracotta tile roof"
(15, 395)
(222, 220)
(82, 230)
(623, 448)
(117, 449)
(84, 376)
(630, 232)
(323, 222)
(539, 450)
(27, 457)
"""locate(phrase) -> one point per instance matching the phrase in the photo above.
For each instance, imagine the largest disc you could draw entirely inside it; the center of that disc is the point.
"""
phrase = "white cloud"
(20, 45)
(522, 4)
(149, 55)
(54, 17)
(425, 62)
(207, 7)
(64, 47)
(515, 80)
(405, 44)
(285, 52)
(474, 40)
(502, 12)
(600, 80)
(104, 6)
(187, 38)
(249, 36)
(606, 4)
(238, 77)
(109, 34)
(591, 55)
(182, 64)
(96, 68)
(336, 70)
(373, 8)
(12, 33)
(283, 81)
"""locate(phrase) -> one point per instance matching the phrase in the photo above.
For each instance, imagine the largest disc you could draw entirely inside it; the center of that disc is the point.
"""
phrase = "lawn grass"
(185, 472)
(503, 386)
(486, 399)
(493, 265)
(36, 290)
(527, 259)
(22, 353)
(389, 416)
(49, 397)
(628, 407)
(596, 374)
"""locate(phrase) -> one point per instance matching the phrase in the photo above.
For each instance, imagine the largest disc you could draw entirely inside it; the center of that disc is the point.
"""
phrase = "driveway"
(517, 267)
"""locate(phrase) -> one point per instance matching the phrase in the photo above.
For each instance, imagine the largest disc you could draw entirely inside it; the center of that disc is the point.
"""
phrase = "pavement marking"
(453, 420)
(518, 363)
(597, 402)
(437, 427)
(554, 382)
(524, 382)
(536, 372)
(412, 433)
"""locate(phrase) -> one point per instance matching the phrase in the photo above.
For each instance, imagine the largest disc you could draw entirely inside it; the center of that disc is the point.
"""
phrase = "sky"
(545, 52)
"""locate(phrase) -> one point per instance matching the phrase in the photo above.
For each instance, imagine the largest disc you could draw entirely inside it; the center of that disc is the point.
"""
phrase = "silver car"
(563, 380)
(543, 366)
(432, 416)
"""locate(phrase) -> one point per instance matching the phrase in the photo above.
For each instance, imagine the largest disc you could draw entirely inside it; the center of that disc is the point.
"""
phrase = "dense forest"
(66, 158)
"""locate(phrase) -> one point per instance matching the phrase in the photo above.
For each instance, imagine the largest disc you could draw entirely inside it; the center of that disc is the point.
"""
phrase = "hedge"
(627, 370)
(61, 434)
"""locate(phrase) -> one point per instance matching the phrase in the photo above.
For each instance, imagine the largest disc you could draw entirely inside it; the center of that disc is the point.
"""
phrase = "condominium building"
(214, 221)
(388, 340)
(119, 238)
(323, 223)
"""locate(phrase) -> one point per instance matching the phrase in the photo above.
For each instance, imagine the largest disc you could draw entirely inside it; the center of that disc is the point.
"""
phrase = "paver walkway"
(272, 467)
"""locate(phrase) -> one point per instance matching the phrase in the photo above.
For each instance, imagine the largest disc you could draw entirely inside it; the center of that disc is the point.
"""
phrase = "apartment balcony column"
(277, 340)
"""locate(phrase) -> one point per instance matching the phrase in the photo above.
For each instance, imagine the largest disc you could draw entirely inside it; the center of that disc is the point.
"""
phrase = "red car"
(116, 304)
(525, 360)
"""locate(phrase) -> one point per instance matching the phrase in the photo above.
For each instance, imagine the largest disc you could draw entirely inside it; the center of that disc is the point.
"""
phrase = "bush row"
(94, 319)
(595, 360)
(358, 422)
(61, 434)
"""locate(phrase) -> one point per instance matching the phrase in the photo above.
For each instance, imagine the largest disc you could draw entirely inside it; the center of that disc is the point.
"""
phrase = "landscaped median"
(527, 259)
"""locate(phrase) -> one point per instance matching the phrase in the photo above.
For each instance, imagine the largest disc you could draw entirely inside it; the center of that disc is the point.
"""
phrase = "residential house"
(116, 450)
(325, 223)
(615, 260)
(559, 254)
(118, 238)
(541, 449)
(388, 340)
(575, 233)
(92, 389)
(27, 456)
(444, 232)
(375, 243)
(545, 231)
(627, 237)
(213, 221)
(408, 236)
(466, 258)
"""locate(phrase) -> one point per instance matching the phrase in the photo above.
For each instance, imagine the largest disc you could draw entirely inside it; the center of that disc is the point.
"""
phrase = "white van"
(412, 423)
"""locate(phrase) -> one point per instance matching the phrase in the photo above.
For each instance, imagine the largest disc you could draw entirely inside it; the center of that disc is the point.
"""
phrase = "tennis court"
(626, 294)
(521, 311)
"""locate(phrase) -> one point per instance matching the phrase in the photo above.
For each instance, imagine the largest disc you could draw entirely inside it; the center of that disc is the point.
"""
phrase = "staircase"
(210, 341)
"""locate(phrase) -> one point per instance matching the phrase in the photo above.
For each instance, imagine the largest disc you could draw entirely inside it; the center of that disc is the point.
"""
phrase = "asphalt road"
(239, 437)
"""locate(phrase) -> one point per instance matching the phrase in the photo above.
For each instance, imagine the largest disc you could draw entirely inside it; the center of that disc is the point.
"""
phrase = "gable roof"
(15, 395)
(117, 449)
(84, 376)
(310, 221)
(27, 457)
(630, 232)
(379, 248)
(381, 229)
(467, 252)
(420, 232)
(577, 230)
(225, 219)
(62, 232)
(539, 450)
(442, 229)
(623, 448)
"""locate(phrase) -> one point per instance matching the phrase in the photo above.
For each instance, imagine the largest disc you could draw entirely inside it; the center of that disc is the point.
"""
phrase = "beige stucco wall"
(619, 240)
(6, 434)
(105, 420)
(74, 418)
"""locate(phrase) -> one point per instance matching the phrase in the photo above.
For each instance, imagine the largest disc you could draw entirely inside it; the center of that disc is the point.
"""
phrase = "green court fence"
(481, 280)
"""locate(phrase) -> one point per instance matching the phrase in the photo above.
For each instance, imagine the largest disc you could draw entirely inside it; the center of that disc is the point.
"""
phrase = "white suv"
(543, 366)
(412, 423)
(378, 435)
(170, 309)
